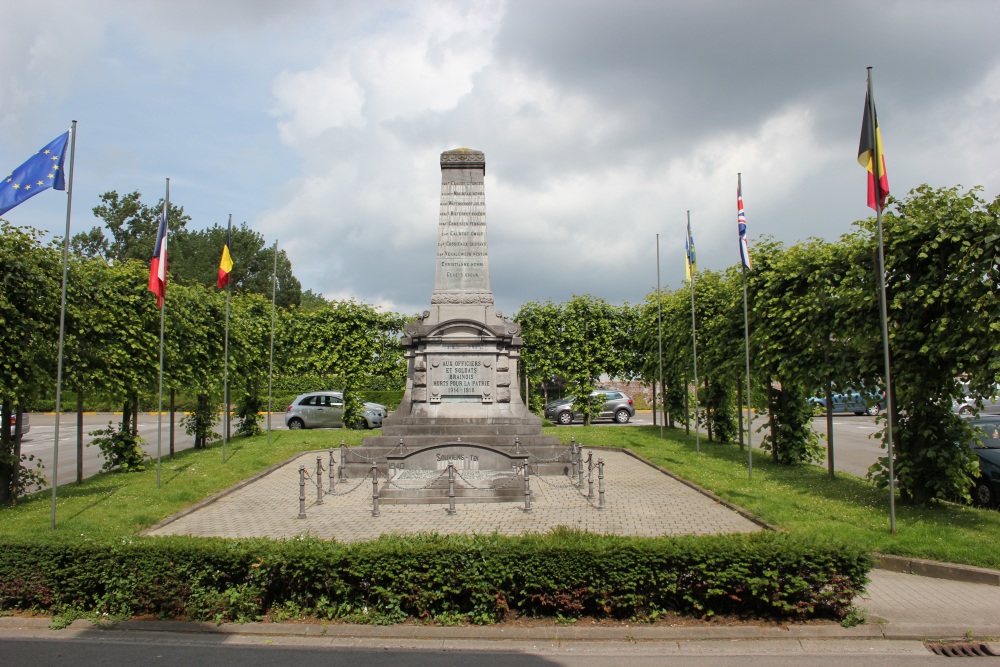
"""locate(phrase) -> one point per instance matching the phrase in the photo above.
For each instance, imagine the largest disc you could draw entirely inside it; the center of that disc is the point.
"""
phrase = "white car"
(325, 409)
(967, 405)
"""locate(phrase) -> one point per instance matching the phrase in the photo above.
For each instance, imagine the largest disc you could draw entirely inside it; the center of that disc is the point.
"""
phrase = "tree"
(942, 253)
(29, 308)
(195, 257)
(132, 226)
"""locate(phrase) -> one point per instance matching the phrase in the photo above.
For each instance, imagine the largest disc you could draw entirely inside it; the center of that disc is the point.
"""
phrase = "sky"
(604, 124)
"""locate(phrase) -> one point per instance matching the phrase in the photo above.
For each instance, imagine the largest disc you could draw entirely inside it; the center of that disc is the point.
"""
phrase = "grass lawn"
(799, 499)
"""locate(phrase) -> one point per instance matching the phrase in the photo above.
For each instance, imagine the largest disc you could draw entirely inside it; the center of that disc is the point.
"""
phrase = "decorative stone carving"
(419, 378)
(420, 394)
(503, 379)
(458, 298)
(503, 363)
(503, 394)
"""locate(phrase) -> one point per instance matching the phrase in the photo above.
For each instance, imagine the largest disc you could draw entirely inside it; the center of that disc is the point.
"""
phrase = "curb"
(552, 633)
(937, 570)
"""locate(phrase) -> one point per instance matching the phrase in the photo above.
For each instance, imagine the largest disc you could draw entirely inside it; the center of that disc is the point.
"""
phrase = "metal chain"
(344, 493)
(556, 458)
(551, 484)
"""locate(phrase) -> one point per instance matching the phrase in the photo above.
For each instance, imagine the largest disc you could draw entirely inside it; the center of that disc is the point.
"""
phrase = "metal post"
(527, 490)
(302, 491)
(343, 459)
(451, 488)
(402, 447)
(579, 453)
(590, 474)
(600, 484)
(572, 458)
(319, 480)
(374, 490)
(331, 471)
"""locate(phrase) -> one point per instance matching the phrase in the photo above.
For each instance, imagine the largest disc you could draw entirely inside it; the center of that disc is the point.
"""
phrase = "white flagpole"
(694, 344)
(746, 344)
(225, 363)
(659, 334)
(877, 166)
(270, 368)
(62, 326)
(163, 310)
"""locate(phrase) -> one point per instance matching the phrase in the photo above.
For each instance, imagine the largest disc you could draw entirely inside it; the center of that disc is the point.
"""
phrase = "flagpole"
(659, 334)
(225, 363)
(877, 174)
(270, 368)
(62, 326)
(694, 345)
(746, 343)
(163, 310)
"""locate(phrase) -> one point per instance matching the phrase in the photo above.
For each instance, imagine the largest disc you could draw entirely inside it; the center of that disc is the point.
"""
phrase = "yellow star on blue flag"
(41, 171)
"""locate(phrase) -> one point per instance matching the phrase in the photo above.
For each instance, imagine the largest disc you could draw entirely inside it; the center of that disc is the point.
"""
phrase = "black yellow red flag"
(226, 264)
(870, 150)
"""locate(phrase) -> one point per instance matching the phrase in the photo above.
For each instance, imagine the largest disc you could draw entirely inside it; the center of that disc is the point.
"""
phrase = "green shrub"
(444, 579)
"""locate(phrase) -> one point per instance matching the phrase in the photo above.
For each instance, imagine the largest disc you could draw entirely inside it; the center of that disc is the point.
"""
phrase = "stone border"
(938, 570)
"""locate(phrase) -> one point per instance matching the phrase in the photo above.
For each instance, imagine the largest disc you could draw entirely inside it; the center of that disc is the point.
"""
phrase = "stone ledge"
(938, 570)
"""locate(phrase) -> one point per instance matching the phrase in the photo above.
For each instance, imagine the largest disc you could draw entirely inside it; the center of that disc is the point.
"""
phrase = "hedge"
(453, 579)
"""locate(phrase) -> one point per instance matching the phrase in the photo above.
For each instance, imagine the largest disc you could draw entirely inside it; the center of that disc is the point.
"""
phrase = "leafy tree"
(195, 257)
(942, 253)
(29, 308)
(132, 227)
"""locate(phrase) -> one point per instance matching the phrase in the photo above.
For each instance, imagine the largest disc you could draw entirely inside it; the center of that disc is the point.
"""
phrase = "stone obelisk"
(462, 354)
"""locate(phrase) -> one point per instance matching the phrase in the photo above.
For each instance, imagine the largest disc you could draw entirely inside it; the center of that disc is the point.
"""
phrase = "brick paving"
(640, 501)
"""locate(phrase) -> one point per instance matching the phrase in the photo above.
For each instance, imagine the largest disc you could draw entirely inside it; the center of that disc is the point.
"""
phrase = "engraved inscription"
(462, 377)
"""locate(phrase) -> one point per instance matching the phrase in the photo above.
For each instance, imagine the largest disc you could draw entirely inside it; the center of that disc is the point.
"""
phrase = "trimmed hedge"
(452, 579)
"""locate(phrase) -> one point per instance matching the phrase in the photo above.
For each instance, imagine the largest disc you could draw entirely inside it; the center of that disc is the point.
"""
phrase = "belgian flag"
(226, 265)
(870, 150)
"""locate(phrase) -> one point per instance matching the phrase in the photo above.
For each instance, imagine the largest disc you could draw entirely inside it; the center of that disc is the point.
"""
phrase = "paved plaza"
(640, 500)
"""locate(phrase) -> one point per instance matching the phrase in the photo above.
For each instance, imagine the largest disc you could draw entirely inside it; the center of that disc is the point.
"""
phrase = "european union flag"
(41, 171)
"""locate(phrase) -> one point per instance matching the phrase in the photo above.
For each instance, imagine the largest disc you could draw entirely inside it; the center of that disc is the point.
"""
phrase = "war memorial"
(462, 404)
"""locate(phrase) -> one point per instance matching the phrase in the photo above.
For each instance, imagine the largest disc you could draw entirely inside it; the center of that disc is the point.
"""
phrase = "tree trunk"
(79, 436)
(173, 411)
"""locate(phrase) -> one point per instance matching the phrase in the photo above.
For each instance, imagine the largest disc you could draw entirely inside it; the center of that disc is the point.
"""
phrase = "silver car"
(325, 409)
(615, 405)
(25, 423)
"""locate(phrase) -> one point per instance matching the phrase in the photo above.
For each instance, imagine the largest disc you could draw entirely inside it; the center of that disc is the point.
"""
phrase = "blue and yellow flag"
(41, 171)
(691, 264)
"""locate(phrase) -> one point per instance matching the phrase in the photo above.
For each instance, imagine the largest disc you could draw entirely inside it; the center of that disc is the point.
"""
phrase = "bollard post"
(580, 454)
(332, 468)
(402, 447)
(319, 480)
(600, 484)
(302, 491)
(451, 488)
(343, 459)
(572, 459)
(517, 445)
(374, 490)
(590, 474)
(527, 489)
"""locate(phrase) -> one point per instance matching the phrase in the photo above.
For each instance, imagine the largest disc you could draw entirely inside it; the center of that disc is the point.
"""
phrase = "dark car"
(987, 449)
(853, 401)
(617, 406)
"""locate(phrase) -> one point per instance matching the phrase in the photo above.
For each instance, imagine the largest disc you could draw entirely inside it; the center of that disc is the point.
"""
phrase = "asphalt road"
(854, 451)
(40, 439)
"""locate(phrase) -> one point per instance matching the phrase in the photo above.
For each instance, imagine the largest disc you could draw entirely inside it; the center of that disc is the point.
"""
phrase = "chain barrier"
(350, 491)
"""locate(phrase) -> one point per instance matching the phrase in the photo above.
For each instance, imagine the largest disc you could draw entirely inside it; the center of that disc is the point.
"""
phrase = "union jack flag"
(741, 220)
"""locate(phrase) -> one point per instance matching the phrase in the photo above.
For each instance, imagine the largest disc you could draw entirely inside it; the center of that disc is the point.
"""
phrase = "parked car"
(967, 404)
(325, 409)
(987, 449)
(617, 406)
(853, 401)
(25, 422)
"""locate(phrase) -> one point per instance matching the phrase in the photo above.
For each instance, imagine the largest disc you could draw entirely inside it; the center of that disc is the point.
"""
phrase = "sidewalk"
(954, 603)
